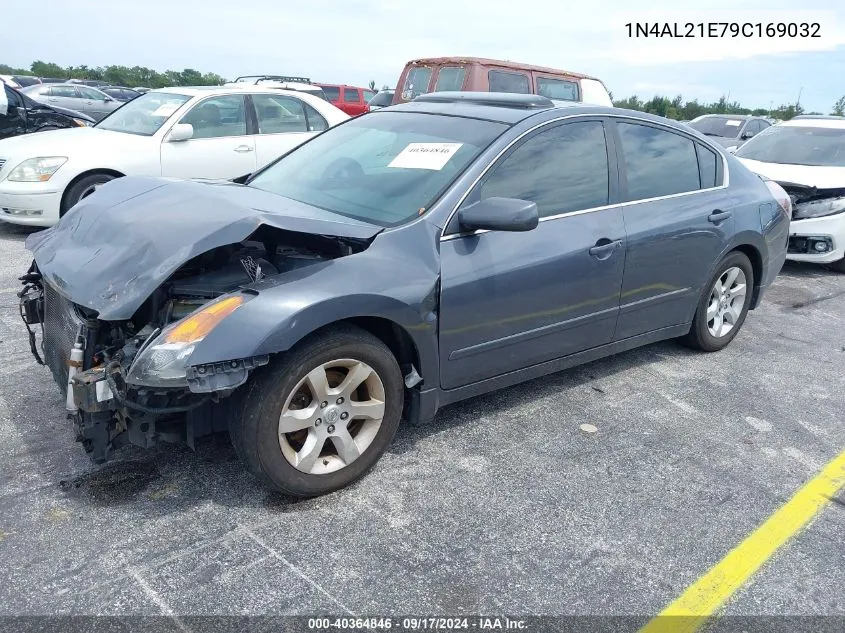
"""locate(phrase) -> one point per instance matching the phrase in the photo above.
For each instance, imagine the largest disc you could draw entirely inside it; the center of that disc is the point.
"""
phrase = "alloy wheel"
(727, 298)
(331, 416)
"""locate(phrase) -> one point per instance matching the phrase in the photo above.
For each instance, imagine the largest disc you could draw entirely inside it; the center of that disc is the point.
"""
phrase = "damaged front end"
(812, 203)
(131, 380)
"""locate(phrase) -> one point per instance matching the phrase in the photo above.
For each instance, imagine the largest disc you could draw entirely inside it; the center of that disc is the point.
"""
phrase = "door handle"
(604, 248)
(243, 149)
(718, 216)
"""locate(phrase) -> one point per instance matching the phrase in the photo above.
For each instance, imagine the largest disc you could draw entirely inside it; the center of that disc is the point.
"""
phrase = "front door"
(678, 222)
(511, 300)
(221, 147)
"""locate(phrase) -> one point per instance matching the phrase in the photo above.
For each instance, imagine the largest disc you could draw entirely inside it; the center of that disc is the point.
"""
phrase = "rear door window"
(501, 81)
(332, 93)
(64, 91)
(279, 115)
(416, 83)
(657, 162)
(450, 78)
(351, 95)
(560, 89)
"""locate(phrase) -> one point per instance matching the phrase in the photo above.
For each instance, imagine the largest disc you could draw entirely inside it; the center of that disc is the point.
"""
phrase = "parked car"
(729, 130)
(94, 83)
(382, 99)
(120, 93)
(350, 99)
(21, 115)
(19, 81)
(199, 132)
(806, 156)
(436, 74)
(81, 98)
(300, 84)
(408, 259)
(52, 80)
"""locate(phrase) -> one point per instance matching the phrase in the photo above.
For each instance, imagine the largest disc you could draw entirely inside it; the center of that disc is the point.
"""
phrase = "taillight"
(779, 194)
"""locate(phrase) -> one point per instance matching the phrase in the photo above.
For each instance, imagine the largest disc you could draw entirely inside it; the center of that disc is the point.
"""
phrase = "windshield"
(385, 168)
(718, 126)
(145, 114)
(383, 98)
(794, 145)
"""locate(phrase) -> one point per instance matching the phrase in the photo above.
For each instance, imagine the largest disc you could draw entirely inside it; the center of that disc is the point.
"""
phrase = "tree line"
(681, 110)
(118, 75)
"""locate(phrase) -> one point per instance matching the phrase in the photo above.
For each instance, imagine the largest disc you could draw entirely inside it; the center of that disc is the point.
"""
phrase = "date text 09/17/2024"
(724, 29)
(418, 623)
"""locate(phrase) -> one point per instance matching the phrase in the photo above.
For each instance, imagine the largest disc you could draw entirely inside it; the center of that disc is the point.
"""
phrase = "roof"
(498, 62)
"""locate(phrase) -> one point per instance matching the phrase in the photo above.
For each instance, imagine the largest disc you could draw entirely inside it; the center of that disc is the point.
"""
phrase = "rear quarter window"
(332, 93)
(501, 81)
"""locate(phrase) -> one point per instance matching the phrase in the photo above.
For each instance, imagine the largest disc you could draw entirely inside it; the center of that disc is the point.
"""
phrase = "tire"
(271, 455)
(838, 266)
(701, 335)
(83, 188)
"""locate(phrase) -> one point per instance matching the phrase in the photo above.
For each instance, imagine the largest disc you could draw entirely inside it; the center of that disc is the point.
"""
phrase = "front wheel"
(723, 306)
(83, 188)
(321, 416)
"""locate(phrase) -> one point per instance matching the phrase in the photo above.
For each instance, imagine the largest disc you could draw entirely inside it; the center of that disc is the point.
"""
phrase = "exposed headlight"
(164, 361)
(82, 122)
(818, 208)
(37, 169)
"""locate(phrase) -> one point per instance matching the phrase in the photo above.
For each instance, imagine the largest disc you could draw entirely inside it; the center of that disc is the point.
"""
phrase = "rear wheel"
(322, 415)
(723, 305)
(83, 188)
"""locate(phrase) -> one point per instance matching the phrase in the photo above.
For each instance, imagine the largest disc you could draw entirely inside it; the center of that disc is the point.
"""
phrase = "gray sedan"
(407, 259)
(84, 99)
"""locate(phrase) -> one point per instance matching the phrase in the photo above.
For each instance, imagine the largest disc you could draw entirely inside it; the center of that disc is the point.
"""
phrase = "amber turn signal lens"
(195, 327)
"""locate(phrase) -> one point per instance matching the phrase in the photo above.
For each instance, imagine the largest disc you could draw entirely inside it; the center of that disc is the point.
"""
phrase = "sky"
(355, 41)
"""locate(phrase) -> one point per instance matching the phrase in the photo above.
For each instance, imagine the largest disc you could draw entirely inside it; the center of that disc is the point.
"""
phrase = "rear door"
(223, 145)
(511, 300)
(283, 123)
(95, 103)
(678, 221)
(66, 97)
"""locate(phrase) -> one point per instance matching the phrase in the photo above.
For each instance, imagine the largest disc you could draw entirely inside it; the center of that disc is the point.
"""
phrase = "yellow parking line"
(708, 593)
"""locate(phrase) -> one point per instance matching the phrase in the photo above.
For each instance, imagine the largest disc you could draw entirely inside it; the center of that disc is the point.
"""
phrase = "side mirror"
(241, 179)
(732, 149)
(499, 214)
(107, 99)
(181, 132)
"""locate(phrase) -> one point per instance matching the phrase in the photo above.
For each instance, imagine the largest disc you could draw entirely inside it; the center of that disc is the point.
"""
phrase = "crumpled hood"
(121, 243)
(809, 175)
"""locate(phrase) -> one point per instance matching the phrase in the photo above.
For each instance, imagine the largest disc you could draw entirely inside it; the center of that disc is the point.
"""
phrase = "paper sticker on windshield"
(733, 123)
(166, 109)
(425, 155)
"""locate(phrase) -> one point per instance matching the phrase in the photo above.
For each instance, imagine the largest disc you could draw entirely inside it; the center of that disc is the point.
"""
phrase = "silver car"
(84, 99)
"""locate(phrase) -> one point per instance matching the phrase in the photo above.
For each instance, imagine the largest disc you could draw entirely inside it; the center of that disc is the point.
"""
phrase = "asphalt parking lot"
(501, 506)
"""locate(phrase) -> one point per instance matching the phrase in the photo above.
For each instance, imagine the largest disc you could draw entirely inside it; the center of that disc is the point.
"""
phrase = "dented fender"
(382, 282)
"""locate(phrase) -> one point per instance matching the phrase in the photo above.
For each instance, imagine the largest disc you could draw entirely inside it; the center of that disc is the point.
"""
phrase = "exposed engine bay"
(811, 202)
(93, 361)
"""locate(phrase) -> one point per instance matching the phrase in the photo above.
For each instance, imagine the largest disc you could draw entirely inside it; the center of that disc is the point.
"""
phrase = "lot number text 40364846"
(724, 29)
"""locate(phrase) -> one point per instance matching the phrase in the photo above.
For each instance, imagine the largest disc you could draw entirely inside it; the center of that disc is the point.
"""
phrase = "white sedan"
(806, 156)
(198, 132)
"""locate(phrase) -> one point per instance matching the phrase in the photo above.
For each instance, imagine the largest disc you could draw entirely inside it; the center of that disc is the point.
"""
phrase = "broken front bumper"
(808, 235)
(107, 412)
